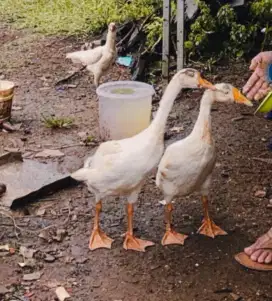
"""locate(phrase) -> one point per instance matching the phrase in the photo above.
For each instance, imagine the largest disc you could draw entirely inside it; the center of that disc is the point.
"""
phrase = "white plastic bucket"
(124, 108)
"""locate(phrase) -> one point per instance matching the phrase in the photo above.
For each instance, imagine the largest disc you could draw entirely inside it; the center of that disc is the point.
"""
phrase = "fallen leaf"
(62, 294)
(32, 276)
(27, 253)
(177, 129)
(49, 153)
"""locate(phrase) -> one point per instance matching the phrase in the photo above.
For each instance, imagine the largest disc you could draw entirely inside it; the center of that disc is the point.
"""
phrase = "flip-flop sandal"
(245, 260)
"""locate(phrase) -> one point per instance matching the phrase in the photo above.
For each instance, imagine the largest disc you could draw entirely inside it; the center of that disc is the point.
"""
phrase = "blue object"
(269, 73)
(269, 115)
(125, 61)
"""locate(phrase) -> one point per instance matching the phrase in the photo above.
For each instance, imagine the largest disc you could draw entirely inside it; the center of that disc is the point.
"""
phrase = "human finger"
(251, 82)
(255, 89)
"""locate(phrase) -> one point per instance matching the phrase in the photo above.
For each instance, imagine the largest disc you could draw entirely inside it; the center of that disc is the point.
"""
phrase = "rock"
(62, 294)
(269, 206)
(27, 253)
(270, 201)
(32, 276)
(49, 258)
(45, 235)
(235, 297)
(260, 193)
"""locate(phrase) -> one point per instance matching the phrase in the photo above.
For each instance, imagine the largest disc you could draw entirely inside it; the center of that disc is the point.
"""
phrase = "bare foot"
(261, 250)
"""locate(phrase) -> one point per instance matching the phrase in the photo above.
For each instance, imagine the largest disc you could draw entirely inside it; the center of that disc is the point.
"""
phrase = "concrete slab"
(28, 180)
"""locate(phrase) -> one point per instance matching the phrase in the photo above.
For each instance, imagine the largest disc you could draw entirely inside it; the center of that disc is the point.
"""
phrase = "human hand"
(257, 86)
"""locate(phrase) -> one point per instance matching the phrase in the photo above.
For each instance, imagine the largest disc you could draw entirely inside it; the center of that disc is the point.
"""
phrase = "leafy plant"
(154, 32)
(57, 122)
(233, 34)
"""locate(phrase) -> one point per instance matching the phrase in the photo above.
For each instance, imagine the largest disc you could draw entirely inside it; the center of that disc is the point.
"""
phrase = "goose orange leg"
(131, 242)
(209, 228)
(98, 238)
(171, 237)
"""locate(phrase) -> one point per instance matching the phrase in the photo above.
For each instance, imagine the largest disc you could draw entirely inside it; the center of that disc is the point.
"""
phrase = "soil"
(202, 269)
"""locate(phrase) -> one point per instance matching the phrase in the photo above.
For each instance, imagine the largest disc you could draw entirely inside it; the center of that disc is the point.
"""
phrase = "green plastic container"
(266, 104)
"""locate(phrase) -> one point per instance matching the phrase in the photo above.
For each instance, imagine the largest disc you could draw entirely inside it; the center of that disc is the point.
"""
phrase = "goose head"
(229, 94)
(112, 27)
(191, 78)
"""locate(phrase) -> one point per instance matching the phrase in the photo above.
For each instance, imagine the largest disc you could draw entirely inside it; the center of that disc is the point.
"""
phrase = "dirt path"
(195, 272)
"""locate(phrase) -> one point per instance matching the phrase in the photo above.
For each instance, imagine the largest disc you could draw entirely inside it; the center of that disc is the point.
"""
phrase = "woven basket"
(6, 97)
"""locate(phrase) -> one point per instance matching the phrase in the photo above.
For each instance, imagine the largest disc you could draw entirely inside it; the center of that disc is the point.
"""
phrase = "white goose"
(187, 165)
(99, 59)
(119, 168)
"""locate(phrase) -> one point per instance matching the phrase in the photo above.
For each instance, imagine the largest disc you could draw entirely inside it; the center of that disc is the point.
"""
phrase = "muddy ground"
(203, 269)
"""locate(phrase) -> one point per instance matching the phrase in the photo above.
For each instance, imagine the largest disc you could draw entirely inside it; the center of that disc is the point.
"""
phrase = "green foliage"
(201, 28)
(233, 35)
(262, 9)
(218, 30)
(154, 32)
(73, 16)
(226, 16)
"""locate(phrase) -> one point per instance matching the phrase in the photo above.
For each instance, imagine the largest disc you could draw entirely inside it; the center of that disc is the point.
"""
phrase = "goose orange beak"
(240, 98)
(205, 84)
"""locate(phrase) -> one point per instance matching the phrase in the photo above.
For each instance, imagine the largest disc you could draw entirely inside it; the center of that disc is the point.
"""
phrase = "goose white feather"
(187, 165)
(120, 167)
(99, 59)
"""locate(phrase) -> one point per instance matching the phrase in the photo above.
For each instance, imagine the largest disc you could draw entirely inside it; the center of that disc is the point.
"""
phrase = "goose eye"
(190, 73)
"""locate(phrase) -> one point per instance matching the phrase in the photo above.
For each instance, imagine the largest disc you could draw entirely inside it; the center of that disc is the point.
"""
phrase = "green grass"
(57, 122)
(72, 16)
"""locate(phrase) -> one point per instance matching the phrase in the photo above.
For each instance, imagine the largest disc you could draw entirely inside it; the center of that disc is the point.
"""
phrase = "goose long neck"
(111, 38)
(166, 105)
(203, 124)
